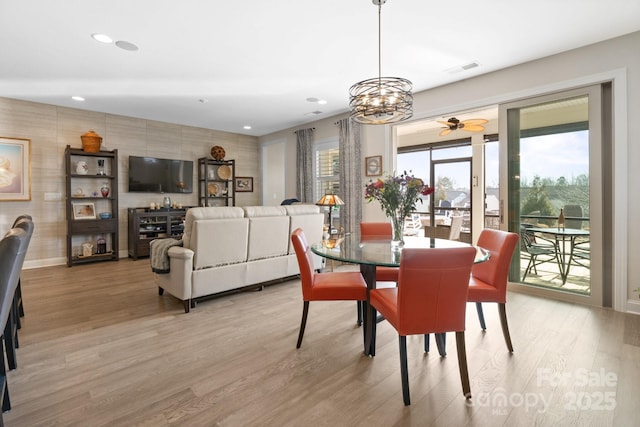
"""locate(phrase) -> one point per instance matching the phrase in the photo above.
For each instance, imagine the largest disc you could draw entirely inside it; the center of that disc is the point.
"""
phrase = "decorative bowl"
(105, 215)
(217, 152)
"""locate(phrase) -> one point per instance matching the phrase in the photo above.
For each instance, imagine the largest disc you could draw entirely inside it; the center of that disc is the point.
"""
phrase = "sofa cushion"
(302, 209)
(260, 211)
(194, 214)
(217, 242)
(268, 231)
(307, 217)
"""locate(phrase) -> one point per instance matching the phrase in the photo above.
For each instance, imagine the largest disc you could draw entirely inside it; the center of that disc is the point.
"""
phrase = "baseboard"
(51, 262)
(633, 306)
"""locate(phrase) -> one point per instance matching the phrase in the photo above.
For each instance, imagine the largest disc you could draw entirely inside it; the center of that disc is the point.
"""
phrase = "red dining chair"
(488, 281)
(431, 297)
(333, 286)
(373, 231)
(379, 230)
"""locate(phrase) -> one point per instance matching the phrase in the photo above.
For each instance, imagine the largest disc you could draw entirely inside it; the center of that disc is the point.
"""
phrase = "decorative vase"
(104, 190)
(397, 229)
(91, 142)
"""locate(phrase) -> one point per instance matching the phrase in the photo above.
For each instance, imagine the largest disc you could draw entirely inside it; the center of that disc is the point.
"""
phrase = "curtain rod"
(296, 131)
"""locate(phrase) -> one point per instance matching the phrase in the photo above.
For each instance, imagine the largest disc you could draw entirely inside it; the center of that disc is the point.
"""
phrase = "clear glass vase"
(397, 229)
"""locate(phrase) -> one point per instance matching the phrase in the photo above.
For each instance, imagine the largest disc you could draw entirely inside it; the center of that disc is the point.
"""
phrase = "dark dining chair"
(330, 286)
(11, 341)
(22, 219)
(12, 253)
(431, 297)
(488, 282)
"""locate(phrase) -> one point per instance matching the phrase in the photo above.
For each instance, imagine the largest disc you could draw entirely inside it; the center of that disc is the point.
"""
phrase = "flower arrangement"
(398, 196)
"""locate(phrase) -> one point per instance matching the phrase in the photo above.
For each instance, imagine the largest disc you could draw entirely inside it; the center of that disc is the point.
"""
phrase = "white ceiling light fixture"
(77, 98)
(102, 38)
(246, 127)
(381, 100)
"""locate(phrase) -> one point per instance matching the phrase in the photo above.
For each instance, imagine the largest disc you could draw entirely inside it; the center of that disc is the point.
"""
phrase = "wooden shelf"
(81, 231)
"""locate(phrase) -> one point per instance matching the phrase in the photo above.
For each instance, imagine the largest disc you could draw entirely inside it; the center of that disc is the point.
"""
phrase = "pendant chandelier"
(381, 100)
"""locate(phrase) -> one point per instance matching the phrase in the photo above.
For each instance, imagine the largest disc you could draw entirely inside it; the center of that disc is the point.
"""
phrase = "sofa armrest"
(178, 281)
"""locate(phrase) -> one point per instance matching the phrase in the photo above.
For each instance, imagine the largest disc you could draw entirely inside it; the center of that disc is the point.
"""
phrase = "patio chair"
(581, 248)
(538, 249)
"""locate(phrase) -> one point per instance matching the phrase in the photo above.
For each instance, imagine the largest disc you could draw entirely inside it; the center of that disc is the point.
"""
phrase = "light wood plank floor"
(100, 347)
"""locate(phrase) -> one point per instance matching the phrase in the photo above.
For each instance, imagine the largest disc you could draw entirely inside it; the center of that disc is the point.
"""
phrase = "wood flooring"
(100, 347)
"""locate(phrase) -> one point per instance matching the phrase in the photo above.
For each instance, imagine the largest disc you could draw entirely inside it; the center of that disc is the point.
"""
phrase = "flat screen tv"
(153, 175)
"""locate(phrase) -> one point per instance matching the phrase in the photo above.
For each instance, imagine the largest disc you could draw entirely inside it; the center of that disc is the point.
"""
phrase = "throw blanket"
(159, 255)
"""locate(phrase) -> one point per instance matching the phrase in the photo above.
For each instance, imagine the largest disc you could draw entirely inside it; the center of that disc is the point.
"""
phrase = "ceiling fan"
(471, 125)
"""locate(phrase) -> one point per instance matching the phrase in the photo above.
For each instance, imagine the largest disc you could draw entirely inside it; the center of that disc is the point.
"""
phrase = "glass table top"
(350, 248)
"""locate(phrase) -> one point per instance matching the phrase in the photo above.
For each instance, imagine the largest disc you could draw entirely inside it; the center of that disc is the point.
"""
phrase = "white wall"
(603, 61)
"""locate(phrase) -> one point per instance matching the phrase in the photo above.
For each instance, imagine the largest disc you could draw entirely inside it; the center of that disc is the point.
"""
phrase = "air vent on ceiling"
(462, 68)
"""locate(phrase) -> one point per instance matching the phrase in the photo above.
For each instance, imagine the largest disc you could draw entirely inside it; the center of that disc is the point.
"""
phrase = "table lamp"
(330, 200)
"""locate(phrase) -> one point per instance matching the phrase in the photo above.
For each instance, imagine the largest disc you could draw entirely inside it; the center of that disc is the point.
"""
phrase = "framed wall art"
(373, 166)
(244, 184)
(84, 211)
(15, 169)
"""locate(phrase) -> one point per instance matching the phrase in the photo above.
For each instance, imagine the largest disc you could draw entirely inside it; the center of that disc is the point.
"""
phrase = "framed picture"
(373, 166)
(15, 169)
(244, 184)
(84, 211)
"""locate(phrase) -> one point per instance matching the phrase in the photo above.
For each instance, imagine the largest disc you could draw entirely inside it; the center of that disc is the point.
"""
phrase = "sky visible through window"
(549, 156)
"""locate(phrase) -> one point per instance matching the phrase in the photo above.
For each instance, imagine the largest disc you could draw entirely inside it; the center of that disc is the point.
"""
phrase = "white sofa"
(227, 248)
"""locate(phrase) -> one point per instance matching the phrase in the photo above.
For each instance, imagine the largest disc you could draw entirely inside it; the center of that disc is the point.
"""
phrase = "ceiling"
(225, 65)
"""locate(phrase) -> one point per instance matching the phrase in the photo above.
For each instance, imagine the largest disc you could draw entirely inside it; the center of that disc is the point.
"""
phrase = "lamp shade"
(330, 200)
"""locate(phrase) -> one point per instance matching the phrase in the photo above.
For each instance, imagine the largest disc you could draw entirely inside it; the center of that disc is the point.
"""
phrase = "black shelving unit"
(85, 183)
(215, 182)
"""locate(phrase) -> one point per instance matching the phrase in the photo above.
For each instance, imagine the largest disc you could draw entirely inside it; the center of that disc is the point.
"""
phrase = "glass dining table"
(371, 253)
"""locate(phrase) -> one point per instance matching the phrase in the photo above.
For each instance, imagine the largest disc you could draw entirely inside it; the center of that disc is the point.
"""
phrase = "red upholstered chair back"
(432, 289)
(374, 230)
(305, 262)
(495, 271)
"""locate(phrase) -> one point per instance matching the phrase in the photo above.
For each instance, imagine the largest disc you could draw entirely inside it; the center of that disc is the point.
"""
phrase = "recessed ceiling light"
(102, 38)
(247, 127)
(203, 100)
(77, 98)
(316, 100)
(126, 45)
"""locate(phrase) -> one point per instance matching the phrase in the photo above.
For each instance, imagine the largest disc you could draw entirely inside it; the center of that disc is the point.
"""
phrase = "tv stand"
(147, 224)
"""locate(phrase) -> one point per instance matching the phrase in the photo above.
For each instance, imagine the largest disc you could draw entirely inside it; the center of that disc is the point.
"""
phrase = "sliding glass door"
(551, 180)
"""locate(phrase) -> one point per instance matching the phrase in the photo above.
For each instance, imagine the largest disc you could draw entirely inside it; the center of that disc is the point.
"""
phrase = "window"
(326, 157)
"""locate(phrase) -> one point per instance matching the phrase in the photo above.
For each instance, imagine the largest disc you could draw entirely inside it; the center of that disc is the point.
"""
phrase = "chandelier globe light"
(381, 100)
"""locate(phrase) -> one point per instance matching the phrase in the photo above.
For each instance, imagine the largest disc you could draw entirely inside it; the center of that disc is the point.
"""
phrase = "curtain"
(351, 189)
(304, 165)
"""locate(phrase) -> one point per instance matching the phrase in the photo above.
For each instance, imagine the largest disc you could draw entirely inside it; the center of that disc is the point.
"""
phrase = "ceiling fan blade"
(447, 124)
(473, 128)
(475, 122)
(445, 132)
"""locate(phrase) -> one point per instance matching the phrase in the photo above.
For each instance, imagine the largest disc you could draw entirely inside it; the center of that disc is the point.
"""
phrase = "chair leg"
(502, 309)
(10, 342)
(481, 316)
(404, 370)
(426, 343)
(462, 364)
(4, 387)
(359, 306)
(186, 304)
(441, 342)
(20, 303)
(303, 323)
